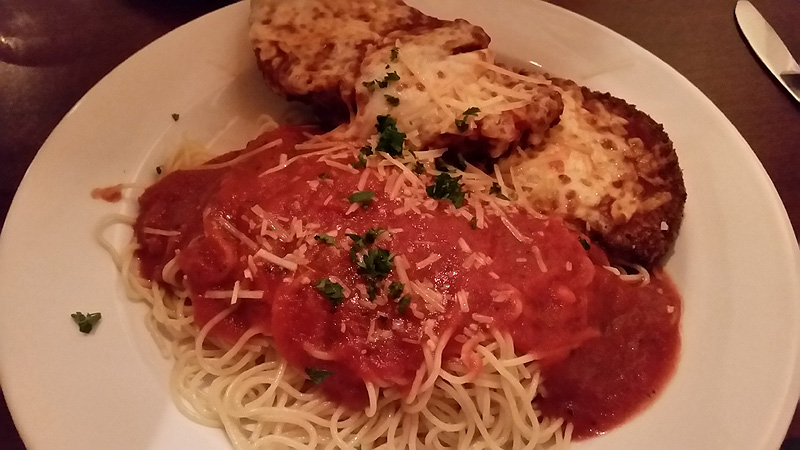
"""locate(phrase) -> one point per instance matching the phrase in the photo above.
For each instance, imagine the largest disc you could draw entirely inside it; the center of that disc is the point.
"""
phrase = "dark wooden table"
(52, 52)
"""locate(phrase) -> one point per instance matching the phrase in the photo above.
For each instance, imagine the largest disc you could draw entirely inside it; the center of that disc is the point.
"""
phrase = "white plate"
(736, 262)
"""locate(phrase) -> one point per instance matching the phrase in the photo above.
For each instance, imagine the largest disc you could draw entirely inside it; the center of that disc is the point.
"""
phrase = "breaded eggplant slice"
(311, 50)
(463, 102)
(609, 169)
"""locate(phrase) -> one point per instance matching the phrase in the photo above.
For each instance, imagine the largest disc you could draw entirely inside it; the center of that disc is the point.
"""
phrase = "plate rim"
(763, 179)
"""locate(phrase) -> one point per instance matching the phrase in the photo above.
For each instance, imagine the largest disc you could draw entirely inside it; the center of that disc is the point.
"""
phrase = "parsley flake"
(419, 168)
(473, 223)
(461, 124)
(447, 187)
(325, 239)
(391, 99)
(372, 235)
(323, 175)
(396, 289)
(584, 243)
(393, 54)
(86, 322)
(495, 190)
(388, 78)
(472, 111)
(362, 242)
(376, 263)
(391, 76)
(390, 139)
(330, 290)
(403, 304)
(360, 163)
(362, 197)
(176, 116)
(362, 157)
(317, 376)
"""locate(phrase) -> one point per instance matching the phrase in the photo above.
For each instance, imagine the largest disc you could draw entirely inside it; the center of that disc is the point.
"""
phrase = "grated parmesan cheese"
(156, 231)
(275, 259)
(428, 261)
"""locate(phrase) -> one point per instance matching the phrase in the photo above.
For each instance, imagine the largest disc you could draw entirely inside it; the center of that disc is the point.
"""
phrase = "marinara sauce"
(606, 346)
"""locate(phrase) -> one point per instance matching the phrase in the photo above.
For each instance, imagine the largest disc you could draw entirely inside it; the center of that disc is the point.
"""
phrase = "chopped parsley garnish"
(584, 243)
(393, 54)
(391, 76)
(495, 190)
(317, 376)
(86, 322)
(473, 223)
(372, 234)
(446, 187)
(376, 263)
(362, 242)
(403, 304)
(368, 239)
(325, 239)
(324, 175)
(176, 116)
(362, 197)
(472, 111)
(384, 123)
(362, 157)
(396, 289)
(461, 124)
(419, 168)
(330, 290)
(360, 163)
(390, 139)
(159, 169)
(391, 99)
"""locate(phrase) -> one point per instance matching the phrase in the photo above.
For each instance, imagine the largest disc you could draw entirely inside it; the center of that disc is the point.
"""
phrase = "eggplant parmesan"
(591, 158)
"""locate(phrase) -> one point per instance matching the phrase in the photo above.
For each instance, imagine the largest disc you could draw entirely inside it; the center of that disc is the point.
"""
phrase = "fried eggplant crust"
(311, 50)
(648, 235)
(610, 170)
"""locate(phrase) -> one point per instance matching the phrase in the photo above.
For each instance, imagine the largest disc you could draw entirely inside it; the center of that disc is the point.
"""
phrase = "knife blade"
(768, 46)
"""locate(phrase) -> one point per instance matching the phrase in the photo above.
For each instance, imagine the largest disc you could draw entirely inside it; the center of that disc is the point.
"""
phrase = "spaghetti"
(454, 362)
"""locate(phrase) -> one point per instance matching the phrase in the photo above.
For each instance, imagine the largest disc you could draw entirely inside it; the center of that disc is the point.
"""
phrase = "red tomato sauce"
(111, 194)
(606, 346)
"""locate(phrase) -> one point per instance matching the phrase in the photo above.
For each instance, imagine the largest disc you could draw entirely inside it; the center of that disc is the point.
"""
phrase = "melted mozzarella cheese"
(582, 164)
(434, 90)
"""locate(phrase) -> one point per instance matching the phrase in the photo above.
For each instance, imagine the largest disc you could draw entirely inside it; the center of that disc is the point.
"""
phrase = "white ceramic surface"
(736, 261)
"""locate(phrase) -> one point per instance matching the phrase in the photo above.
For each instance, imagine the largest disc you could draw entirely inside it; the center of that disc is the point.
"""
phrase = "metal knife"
(769, 47)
